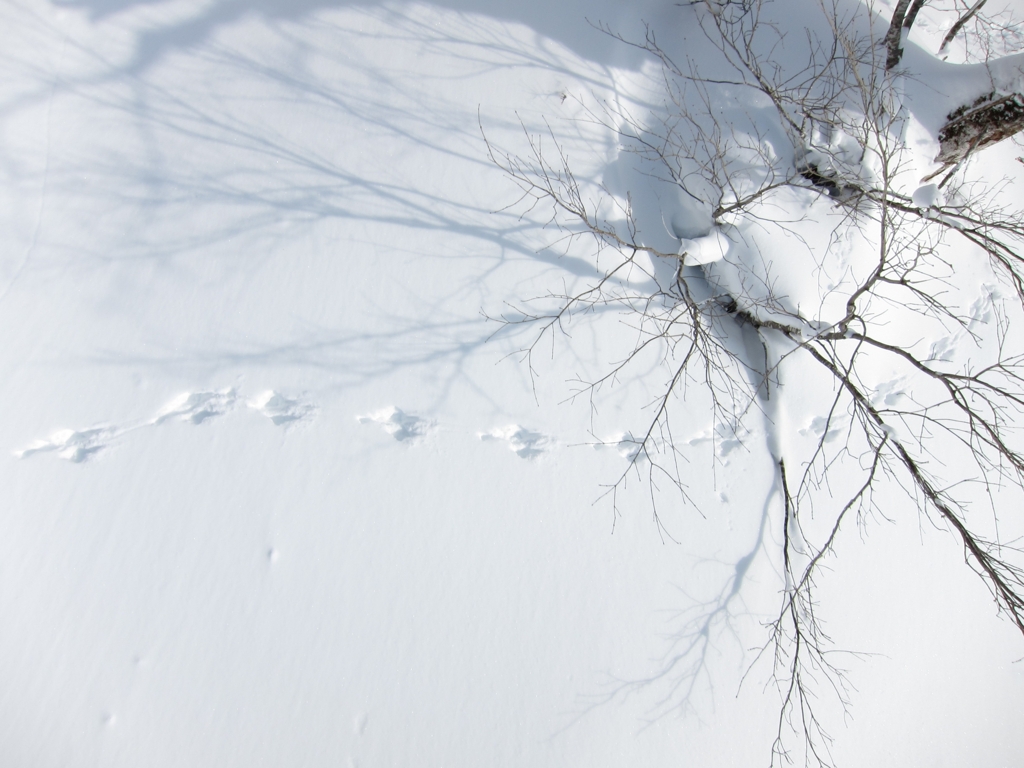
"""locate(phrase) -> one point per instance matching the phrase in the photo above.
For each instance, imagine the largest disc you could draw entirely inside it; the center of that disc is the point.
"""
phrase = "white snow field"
(276, 491)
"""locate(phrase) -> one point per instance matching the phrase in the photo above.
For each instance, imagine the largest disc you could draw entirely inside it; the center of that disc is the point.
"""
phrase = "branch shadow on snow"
(565, 22)
(219, 164)
(687, 669)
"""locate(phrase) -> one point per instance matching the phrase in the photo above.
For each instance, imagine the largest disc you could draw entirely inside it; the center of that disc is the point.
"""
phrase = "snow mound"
(705, 250)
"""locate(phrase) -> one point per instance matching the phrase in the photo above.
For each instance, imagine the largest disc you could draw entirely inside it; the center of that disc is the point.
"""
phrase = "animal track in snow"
(819, 424)
(197, 407)
(888, 394)
(74, 445)
(982, 312)
(944, 349)
(627, 446)
(281, 410)
(191, 407)
(397, 423)
(726, 438)
(524, 443)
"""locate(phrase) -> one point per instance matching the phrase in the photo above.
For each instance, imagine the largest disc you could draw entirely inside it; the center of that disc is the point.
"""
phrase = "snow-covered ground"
(277, 492)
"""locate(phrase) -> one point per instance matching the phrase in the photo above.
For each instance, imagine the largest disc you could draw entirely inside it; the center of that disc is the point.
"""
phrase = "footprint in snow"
(822, 428)
(627, 446)
(281, 410)
(193, 407)
(524, 443)
(944, 350)
(197, 407)
(726, 438)
(73, 445)
(397, 423)
(982, 311)
(890, 393)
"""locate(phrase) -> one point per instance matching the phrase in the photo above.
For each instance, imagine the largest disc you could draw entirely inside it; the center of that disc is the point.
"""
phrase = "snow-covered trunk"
(988, 120)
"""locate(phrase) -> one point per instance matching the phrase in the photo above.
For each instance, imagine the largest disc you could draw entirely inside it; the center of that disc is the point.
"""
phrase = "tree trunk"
(903, 17)
(990, 119)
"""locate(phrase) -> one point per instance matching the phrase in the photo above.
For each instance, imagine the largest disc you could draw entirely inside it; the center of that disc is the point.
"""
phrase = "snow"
(707, 249)
(926, 196)
(276, 490)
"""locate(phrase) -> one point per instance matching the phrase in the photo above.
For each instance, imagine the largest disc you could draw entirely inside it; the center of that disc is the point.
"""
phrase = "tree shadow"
(220, 163)
(686, 669)
(564, 22)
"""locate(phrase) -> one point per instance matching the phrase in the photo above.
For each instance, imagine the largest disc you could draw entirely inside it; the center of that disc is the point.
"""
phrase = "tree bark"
(980, 125)
(960, 24)
(894, 52)
(903, 17)
(988, 120)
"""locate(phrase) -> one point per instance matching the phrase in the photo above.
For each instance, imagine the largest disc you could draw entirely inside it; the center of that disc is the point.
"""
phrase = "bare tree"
(835, 141)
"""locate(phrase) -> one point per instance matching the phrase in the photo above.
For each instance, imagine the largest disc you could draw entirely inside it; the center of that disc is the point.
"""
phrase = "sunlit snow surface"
(275, 491)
